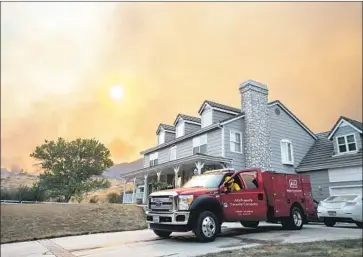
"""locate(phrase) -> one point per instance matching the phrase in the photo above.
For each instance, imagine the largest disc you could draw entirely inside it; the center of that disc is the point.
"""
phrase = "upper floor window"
(287, 152)
(207, 117)
(200, 144)
(235, 141)
(154, 159)
(172, 153)
(180, 129)
(346, 144)
(161, 137)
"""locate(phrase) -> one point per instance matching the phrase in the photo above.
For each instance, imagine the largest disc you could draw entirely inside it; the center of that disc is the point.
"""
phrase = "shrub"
(159, 185)
(24, 193)
(94, 199)
(114, 198)
(8, 194)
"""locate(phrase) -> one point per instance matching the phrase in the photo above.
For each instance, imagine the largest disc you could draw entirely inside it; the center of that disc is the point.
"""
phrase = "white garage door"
(345, 174)
(346, 190)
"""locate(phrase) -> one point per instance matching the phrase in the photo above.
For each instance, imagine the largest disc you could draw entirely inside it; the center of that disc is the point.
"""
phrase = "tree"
(70, 167)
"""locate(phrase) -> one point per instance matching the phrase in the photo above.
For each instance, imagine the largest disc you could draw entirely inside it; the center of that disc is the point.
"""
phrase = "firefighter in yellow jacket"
(231, 186)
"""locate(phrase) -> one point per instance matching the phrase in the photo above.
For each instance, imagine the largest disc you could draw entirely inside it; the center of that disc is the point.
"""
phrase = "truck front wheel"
(207, 227)
(295, 220)
(162, 233)
(250, 224)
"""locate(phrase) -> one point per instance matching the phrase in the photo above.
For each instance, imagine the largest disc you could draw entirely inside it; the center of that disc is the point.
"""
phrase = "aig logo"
(293, 183)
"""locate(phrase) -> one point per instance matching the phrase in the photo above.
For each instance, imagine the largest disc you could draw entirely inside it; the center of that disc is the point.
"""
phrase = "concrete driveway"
(145, 243)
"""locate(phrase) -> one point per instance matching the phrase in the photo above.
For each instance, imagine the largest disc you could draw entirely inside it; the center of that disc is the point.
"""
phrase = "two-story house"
(257, 134)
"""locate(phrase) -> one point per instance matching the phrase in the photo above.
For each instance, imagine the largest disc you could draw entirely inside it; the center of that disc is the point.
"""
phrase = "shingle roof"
(190, 118)
(179, 139)
(166, 127)
(220, 106)
(320, 156)
(186, 118)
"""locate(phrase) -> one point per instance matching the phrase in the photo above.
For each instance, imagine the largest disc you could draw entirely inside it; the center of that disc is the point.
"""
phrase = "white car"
(341, 208)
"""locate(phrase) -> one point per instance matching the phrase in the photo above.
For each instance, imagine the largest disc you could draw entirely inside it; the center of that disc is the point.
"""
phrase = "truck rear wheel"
(359, 224)
(162, 233)
(250, 224)
(207, 227)
(295, 220)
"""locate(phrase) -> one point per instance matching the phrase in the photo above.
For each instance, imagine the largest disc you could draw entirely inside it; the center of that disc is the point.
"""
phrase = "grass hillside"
(17, 180)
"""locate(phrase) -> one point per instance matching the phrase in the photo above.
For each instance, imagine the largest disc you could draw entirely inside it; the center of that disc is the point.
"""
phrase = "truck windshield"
(206, 181)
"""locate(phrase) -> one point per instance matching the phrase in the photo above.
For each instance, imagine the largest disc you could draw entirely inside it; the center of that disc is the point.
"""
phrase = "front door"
(248, 204)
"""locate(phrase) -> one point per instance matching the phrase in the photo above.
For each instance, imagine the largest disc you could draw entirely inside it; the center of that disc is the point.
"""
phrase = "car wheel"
(207, 227)
(295, 221)
(329, 222)
(162, 233)
(250, 224)
(359, 224)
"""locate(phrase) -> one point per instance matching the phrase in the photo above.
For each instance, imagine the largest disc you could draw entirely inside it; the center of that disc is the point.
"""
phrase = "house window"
(235, 141)
(172, 153)
(207, 118)
(346, 144)
(154, 159)
(200, 144)
(287, 153)
(180, 129)
(161, 137)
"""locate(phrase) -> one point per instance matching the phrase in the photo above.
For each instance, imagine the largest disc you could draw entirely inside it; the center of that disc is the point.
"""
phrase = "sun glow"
(116, 92)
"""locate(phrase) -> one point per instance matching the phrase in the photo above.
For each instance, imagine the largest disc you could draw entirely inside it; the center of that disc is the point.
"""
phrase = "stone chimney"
(254, 98)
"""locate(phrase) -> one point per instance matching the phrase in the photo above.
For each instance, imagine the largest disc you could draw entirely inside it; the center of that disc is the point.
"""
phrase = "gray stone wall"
(254, 98)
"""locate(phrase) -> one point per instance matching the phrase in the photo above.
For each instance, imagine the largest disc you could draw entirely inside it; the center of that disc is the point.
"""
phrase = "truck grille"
(161, 203)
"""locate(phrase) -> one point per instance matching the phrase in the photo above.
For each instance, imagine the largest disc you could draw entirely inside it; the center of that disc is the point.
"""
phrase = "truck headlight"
(184, 202)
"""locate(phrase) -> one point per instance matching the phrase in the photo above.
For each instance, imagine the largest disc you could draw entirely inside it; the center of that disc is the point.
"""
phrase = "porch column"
(145, 190)
(158, 173)
(124, 191)
(176, 171)
(199, 165)
(134, 191)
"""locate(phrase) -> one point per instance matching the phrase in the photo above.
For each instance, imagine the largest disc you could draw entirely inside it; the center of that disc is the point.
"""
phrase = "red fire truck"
(206, 201)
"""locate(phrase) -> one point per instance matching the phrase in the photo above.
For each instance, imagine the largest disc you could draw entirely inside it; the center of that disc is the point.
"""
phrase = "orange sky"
(59, 60)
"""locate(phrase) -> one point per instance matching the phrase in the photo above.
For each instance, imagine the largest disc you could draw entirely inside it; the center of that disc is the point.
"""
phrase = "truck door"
(249, 203)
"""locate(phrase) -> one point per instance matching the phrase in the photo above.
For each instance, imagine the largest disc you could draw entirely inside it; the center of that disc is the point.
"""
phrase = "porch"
(175, 173)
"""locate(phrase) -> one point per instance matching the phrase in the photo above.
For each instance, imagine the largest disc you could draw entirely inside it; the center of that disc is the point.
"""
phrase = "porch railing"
(128, 198)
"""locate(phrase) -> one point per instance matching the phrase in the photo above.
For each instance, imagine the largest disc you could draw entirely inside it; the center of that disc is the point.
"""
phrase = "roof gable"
(277, 102)
(166, 128)
(219, 107)
(187, 119)
(356, 125)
